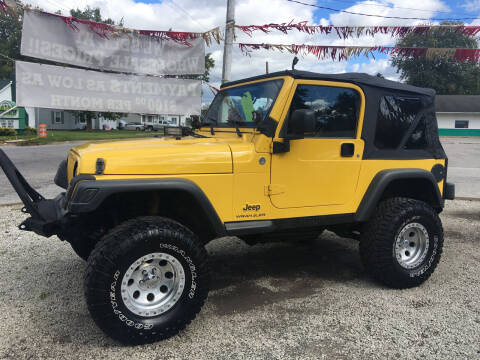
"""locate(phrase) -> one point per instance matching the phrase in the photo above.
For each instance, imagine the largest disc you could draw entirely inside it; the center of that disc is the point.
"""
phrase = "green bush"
(29, 131)
(7, 132)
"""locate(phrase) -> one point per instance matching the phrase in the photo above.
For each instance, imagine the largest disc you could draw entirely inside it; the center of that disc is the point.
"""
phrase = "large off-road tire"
(146, 280)
(401, 245)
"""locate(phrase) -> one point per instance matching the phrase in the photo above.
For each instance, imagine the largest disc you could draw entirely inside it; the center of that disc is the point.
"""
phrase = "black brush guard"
(45, 215)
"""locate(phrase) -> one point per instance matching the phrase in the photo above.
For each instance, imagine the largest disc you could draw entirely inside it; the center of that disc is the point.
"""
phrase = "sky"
(202, 15)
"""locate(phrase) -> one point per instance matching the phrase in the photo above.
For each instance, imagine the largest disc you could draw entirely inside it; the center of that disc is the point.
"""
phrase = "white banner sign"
(57, 87)
(48, 37)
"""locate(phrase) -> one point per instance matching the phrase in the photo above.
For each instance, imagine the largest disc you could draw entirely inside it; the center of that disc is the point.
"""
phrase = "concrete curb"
(469, 198)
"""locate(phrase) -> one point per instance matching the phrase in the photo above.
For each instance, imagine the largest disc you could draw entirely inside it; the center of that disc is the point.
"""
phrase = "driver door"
(323, 167)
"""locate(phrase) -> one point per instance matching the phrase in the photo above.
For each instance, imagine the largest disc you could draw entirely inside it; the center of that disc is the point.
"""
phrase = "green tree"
(445, 75)
(93, 14)
(10, 35)
(209, 65)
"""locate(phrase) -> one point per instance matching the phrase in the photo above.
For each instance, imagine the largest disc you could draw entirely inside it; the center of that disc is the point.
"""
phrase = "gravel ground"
(273, 301)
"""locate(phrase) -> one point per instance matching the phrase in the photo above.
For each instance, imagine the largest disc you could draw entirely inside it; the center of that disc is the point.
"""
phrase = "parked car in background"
(134, 126)
(157, 125)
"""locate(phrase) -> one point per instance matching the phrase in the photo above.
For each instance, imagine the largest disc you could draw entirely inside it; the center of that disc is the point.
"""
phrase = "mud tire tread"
(114, 245)
(376, 245)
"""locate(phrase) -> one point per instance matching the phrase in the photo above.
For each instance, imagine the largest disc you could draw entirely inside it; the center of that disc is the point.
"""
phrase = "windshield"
(245, 106)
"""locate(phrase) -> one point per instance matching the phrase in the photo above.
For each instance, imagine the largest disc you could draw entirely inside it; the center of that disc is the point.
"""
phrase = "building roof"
(458, 103)
(356, 78)
(3, 83)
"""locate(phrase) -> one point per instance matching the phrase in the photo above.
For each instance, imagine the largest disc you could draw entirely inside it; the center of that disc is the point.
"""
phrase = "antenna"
(294, 62)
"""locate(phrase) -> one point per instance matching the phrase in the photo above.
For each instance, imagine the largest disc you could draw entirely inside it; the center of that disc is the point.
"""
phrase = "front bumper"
(46, 215)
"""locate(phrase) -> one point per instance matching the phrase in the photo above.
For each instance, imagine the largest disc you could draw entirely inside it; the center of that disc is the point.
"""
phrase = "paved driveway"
(38, 164)
(464, 164)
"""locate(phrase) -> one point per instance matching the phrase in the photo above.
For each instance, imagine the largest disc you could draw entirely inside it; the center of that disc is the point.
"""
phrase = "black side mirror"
(301, 122)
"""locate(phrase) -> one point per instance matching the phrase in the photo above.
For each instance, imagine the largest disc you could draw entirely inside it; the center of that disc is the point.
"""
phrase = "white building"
(58, 119)
(172, 120)
(458, 115)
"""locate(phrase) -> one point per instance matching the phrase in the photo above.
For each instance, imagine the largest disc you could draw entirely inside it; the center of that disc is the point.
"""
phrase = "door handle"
(347, 150)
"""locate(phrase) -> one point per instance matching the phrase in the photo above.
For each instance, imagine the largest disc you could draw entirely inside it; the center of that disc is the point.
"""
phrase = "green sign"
(6, 105)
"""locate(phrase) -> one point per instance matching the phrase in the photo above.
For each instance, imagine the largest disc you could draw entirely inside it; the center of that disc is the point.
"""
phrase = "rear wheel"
(402, 244)
(146, 280)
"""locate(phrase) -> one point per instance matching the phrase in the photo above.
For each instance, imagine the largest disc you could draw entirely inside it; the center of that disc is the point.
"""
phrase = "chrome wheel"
(153, 284)
(411, 245)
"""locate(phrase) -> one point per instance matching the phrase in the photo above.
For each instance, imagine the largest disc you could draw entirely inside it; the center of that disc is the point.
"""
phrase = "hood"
(155, 156)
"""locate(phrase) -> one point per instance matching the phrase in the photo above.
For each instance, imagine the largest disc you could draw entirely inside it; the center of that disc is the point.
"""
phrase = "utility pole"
(227, 50)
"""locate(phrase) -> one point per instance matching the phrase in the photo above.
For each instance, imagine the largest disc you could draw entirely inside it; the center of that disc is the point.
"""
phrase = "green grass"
(79, 135)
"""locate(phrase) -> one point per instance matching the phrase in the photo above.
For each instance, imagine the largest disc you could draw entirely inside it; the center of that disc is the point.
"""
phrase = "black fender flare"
(89, 195)
(380, 182)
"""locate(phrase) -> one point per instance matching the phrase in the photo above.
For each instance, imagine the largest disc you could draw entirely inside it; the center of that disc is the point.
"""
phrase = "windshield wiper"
(194, 134)
(237, 129)
(210, 121)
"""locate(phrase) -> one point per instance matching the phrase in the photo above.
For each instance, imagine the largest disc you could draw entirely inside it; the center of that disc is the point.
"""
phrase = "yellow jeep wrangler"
(279, 156)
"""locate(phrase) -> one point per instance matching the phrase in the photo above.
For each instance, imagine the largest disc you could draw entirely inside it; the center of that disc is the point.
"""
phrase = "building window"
(57, 117)
(81, 119)
(461, 124)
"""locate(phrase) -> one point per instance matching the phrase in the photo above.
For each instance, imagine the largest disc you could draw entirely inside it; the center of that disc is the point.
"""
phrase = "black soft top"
(356, 78)
(376, 91)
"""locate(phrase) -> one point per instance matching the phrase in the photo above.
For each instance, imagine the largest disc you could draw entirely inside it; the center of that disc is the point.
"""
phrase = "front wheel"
(146, 280)
(402, 244)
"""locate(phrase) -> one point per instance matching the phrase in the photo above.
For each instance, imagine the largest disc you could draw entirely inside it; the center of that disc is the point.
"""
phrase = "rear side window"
(418, 139)
(395, 116)
(336, 109)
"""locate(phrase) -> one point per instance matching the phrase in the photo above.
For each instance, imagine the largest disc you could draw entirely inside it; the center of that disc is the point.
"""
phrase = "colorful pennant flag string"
(212, 88)
(8, 7)
(339, 53)
(345, 32)
(107, 30)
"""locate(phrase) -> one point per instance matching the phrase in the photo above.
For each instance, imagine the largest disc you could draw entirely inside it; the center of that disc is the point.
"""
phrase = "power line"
(7, 57)
(190, 16)
(380, 16)
(390, 7)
